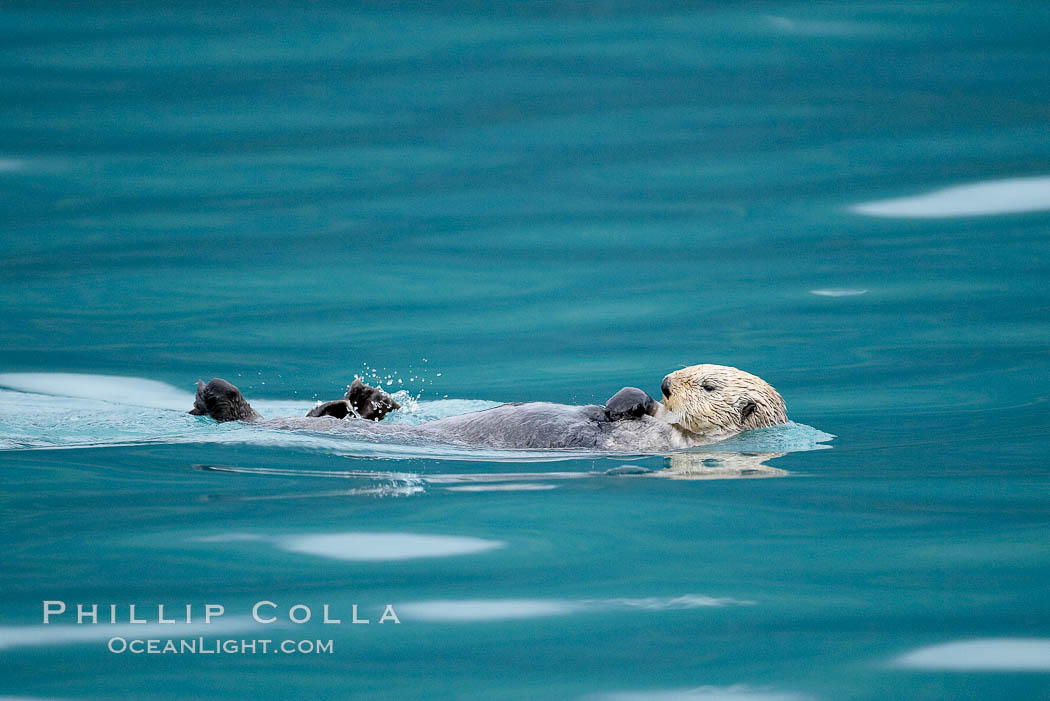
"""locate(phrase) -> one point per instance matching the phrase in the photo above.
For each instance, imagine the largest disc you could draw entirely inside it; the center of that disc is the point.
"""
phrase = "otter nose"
(665, 386)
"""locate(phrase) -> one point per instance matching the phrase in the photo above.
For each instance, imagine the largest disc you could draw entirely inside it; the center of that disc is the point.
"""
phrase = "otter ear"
(747, 410)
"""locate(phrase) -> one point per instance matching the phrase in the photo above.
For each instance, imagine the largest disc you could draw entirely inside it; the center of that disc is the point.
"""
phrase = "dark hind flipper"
(629, 403)
(370, 403)
(222, 401)
(339, 409)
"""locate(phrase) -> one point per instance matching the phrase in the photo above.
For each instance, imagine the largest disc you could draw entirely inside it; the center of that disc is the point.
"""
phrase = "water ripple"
(1009, 196)
(983, 655)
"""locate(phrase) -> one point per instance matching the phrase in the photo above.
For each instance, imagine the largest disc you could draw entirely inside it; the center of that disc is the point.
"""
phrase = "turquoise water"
(540, 202)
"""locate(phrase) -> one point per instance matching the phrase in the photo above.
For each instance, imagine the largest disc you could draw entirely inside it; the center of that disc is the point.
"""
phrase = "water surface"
(534, 202)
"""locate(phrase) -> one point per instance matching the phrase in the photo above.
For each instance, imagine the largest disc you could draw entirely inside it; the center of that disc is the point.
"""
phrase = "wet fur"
(631, 421)
(718, 400)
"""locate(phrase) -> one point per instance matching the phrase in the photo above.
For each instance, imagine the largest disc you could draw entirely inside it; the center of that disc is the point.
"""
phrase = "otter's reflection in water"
(721, 465)
(682, 466)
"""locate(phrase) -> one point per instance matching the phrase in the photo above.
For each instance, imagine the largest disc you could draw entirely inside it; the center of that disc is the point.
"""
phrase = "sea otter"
(702, 404)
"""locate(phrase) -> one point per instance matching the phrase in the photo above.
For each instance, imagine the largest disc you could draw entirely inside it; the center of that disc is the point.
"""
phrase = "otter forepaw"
(629, 403)
(338, 409)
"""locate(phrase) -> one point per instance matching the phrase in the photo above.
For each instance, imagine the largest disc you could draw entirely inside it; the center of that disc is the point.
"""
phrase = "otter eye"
(708, 387)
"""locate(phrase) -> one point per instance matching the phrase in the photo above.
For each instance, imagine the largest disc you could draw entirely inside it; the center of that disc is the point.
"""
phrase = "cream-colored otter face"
(714, 399)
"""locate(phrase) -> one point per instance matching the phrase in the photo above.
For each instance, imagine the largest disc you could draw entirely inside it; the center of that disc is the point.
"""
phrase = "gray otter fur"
(732, 401)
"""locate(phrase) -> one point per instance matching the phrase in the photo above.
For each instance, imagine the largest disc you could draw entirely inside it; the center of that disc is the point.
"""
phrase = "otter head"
(715, 399)
(222, 401)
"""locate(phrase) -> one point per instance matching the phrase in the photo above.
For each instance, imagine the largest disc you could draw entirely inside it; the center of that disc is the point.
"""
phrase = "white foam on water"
(736, 692)
(363, 546)
(134, 391)
(982, 655)
(1009, 196)
(375, 547)
(843, 292)
(478, 610)
(54, 635)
